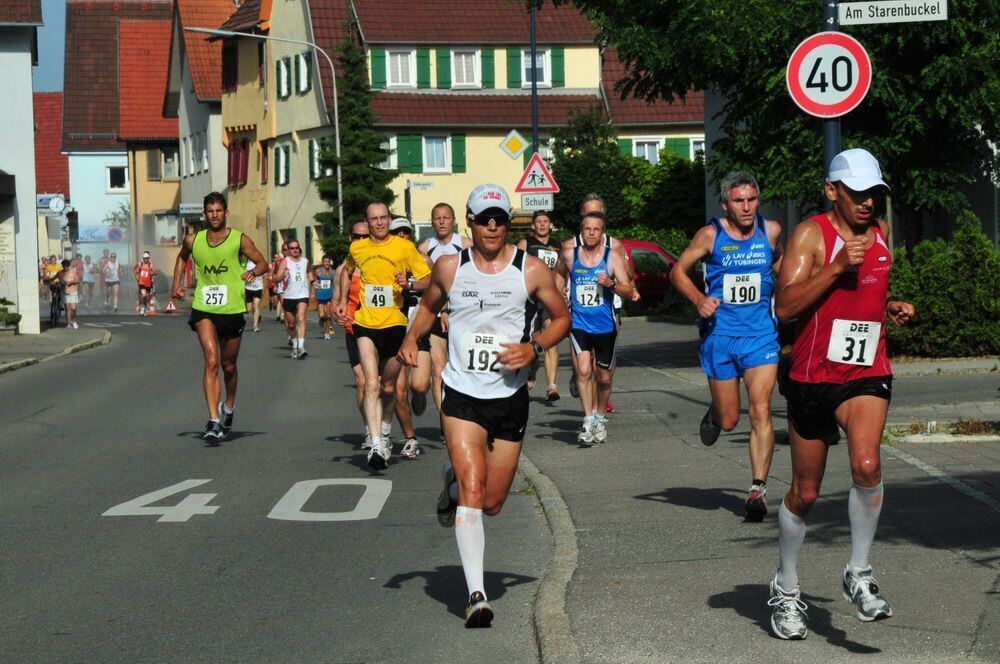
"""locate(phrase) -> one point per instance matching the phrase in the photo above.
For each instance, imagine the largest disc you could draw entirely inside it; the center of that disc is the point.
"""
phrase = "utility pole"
(831, 126)
(534, 83)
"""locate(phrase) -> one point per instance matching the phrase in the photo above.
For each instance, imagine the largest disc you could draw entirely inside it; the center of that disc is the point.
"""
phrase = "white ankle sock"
(791, 533)
(300, 342)
(471, 539)
(864, 504)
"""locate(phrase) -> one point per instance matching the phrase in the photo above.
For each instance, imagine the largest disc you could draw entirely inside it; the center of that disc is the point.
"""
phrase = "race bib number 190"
(480, 352)
(215, 296)
(741, 288)
(378, 297)
(853, 342)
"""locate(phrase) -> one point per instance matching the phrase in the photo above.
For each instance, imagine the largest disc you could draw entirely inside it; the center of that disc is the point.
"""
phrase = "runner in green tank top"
(219, 255)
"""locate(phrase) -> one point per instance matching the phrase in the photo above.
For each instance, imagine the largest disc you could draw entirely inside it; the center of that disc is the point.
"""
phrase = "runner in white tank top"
(493, 288)
(296, 299)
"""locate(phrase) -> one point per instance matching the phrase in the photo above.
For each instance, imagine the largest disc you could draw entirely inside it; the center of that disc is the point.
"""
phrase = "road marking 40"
(289, 508)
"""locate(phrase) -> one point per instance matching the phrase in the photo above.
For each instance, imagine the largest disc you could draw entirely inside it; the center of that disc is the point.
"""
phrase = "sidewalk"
(24, 350)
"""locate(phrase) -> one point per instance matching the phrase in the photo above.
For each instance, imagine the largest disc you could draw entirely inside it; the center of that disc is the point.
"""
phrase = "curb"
(17, 364)
(552, 630)
(69, 350)
(933, 438)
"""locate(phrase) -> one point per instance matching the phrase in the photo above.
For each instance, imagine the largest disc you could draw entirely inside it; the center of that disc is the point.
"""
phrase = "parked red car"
(651, 265)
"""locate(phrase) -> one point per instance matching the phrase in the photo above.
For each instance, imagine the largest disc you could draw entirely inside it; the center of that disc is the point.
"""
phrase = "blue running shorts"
(725, 358)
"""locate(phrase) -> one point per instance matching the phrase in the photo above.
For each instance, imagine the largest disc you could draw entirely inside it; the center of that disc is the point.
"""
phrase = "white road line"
(102, 325)
(945, 478)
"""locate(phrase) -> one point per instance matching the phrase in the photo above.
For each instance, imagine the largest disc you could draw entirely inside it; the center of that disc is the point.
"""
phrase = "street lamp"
(333, 78)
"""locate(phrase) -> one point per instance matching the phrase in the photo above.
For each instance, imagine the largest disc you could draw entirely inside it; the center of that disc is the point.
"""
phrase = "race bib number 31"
(480, 352)
(589, 295)
(378, 297)
(741, 288)
(215, 296)
(853, 342)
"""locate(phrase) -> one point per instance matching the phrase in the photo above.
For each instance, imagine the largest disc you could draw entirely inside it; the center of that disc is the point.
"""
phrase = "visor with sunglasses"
(499, 217)
(359, 236)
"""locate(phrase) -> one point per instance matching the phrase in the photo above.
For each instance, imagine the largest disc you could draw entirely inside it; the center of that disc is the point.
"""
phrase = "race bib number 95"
(215, 296)
(741, 288)
(853, 342)
(480, 352)
(378, 297)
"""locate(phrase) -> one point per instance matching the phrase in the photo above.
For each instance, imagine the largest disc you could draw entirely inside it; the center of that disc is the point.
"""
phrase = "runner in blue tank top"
(739, 334)
(595, 274)
(323, 289)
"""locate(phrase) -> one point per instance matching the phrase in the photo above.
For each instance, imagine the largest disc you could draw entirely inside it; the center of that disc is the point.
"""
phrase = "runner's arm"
(431, 302)
(180, 265)
(800, 283)
(619, 277)
(700, 247)
(777, 237)
(250, 250)
(542, 289)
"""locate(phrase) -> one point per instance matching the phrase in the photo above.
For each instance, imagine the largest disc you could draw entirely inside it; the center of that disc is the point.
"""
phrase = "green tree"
(668, 195)
(929, 117)
(361, 151)
(119, 217)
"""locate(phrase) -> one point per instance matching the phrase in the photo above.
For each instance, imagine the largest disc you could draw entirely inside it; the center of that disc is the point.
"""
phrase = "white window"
(117, 179)
(542, 68)
(204, 151)
(190, 155)
(389, 144)
(315, 168)
(283, 77)
(303, 72)
(281, 155)
(184, 150)
(648, 149)
(170, 164)
(465, 69)
(401, 69)
(437, 154)
(697, 146)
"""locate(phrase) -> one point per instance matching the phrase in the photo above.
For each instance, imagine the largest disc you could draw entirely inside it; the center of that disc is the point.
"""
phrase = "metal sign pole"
(831, 126)
(534, 84)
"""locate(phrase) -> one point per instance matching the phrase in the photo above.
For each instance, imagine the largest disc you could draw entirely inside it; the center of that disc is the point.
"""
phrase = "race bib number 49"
(853, 342)
(589, 295)
(481, 351)
(378, 297)
(741, 288)
(215, 296)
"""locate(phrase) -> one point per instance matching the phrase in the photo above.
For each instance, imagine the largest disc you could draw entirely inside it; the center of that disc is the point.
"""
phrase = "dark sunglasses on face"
(295, 248)
(499, 218)
(358, 236)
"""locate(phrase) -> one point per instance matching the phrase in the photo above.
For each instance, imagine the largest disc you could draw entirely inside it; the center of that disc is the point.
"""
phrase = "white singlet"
(486, 310)
(297, 282)
(258, 282)
(437, 248)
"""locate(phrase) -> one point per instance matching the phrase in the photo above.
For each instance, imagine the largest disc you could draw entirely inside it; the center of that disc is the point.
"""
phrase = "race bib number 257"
(215, 296)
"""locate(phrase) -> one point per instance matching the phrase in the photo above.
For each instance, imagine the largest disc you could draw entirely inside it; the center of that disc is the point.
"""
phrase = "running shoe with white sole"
(573, 391)
(213, 432)
(478, 613)
(295, 353)
(378, 456)
(861, 589)
(552, 393)
(610, 408)
(411, 449)
(708, 430)
(367, 445)
(418, 402)
(788, 613)
(599, 429)
(226, 417)
(756, 503)
(446, 504)
(302, 353)
(586, 435)
(326, 336)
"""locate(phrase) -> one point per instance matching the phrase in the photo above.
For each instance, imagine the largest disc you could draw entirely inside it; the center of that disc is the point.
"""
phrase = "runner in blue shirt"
(323, 288)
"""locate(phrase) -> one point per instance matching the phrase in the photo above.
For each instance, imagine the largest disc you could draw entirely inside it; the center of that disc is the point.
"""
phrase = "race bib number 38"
(215, 296)
(741, 288)
(378, 297)
(853, 342)
(480, 352)
(589, 295)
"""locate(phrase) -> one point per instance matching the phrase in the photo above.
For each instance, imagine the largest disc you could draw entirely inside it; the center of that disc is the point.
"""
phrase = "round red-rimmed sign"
(828, 74)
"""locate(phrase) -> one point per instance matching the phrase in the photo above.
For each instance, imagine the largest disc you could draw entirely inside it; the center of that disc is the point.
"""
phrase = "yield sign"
(537, 179)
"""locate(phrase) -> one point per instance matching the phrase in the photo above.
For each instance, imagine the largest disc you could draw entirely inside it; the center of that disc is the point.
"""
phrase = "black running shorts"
(387, 340)
(505, 418)
(227, 326)
(437, 330)
(811, 406)
(251, 294)
(601, 345)
(352, 349)
(291, 305)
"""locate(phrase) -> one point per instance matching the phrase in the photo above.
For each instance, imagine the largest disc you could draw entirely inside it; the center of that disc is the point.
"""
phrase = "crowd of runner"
(474, 319)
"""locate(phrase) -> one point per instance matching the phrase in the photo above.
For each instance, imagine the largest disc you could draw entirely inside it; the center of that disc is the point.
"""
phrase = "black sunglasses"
(499, 218)
(295, 248)
(358, 236)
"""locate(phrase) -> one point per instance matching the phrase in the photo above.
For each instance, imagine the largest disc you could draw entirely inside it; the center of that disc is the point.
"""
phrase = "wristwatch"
(539, 348)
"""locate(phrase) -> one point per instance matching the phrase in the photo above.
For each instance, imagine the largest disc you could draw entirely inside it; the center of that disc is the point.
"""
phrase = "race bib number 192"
(853, 342)
(215, 296)
(378, 297)
(480, 352)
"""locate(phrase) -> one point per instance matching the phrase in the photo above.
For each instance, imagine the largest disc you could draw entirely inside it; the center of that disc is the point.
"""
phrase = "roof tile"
(26, 12)
(444, 109)
(633, 111)
(246, 17)
(143, 55)
(51, 166)
(204, 56)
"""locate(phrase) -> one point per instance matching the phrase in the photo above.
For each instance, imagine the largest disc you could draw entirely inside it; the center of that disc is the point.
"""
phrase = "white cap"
(486, 197)
(400, 222)
(145, 254)
(857, 169)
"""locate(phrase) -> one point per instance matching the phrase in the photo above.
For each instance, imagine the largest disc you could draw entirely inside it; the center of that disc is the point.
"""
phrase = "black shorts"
(437, 331)
(505, 418)
(251, 294)
(541, 316)
(144, 289)
(811, 406)
(602, 345)
(387, 340)
(227, 326)
(424, 343)
(352, 350)
(291, 305)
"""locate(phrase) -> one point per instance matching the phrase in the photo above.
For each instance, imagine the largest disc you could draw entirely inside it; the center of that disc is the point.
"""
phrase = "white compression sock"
(471, 540)
(791, 533)
(864, 504)
(301, 342)
(386, 428)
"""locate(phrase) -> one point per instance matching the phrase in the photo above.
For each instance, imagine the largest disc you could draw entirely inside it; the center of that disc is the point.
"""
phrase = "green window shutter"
(489, 69)
(306, 80)
(297, 74)
(409, 153)
(526, 157)
(289, 83)
(458, 153)
(559, 67)
(513, 67)
(625, 146)
(378, 68)
(286, 163)
(443, 68)
(423, 68)
(277, 165)
(680, 147)
(291, 234)
(309, 244)
(274, 242)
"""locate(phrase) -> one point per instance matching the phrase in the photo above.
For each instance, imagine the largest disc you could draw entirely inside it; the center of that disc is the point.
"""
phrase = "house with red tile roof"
(51, 165)
(18, 211)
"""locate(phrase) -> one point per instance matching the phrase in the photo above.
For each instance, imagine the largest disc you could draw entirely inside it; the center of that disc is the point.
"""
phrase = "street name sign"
(828, 74)
(892, 11)
(533, 202)
(537, 179)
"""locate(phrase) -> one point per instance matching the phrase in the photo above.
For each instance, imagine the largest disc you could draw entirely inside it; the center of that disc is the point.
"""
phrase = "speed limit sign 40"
(828, 74)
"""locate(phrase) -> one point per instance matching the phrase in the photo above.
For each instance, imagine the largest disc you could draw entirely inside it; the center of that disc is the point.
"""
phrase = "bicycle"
(56, 305)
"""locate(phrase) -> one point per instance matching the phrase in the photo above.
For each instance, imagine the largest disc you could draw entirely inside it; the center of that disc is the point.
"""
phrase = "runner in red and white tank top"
(842, 336)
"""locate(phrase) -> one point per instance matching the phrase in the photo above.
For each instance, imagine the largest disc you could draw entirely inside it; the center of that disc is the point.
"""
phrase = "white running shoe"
(860, 588)
(367, 445)
(378, 455)
(411, 449)
(295, 353)
(599, 428)
(788, 612)
(326, 336)
(586, 435)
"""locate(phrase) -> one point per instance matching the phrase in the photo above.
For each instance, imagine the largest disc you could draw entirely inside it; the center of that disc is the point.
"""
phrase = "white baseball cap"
(487, 197)
(400, 222)
(145, 254)
(857, 169)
